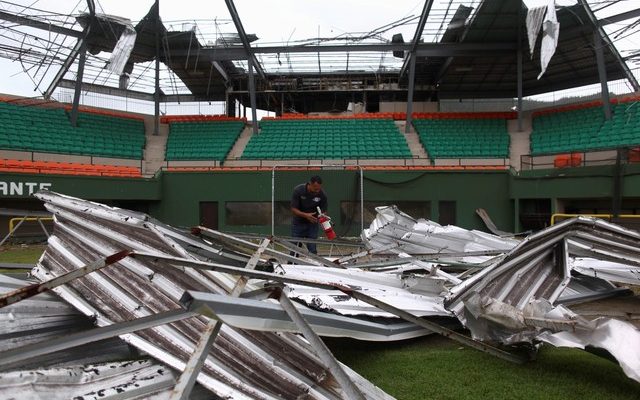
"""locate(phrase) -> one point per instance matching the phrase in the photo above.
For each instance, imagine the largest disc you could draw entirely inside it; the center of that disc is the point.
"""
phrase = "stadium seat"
(463, 135)
(583, 127)
(209, 139)
(327, 137)
(40, 129)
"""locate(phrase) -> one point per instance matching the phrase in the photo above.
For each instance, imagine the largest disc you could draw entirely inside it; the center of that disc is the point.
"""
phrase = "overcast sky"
(273, 21)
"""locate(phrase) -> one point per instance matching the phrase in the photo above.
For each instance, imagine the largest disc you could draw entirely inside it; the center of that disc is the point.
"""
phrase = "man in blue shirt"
(306, 198)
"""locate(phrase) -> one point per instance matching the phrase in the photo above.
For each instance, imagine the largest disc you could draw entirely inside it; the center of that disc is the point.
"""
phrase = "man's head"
(315, 184)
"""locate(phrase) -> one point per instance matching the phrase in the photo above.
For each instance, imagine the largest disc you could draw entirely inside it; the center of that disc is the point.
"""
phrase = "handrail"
(604, 216)
(12, 221)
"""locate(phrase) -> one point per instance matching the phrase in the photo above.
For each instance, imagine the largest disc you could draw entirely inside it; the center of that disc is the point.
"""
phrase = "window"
(209, 214)
(257, 213)
(447, 212)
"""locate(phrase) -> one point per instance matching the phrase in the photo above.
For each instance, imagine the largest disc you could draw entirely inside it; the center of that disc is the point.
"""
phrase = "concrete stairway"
(155, 147)
(416, 148)
(241, 143)
(520, 141)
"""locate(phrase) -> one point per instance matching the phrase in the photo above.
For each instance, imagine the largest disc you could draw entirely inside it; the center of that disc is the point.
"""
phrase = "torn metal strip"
(357, 295)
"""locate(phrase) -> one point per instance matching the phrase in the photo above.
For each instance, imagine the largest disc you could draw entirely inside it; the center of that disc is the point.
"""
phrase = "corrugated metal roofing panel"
(242, 364)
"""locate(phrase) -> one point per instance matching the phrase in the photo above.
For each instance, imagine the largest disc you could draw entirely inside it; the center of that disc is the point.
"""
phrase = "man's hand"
(310, 217)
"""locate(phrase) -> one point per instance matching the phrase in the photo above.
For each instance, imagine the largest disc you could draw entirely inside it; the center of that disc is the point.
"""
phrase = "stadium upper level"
(444, 49)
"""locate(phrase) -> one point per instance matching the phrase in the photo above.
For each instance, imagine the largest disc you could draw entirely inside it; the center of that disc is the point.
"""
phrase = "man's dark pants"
(307, 231)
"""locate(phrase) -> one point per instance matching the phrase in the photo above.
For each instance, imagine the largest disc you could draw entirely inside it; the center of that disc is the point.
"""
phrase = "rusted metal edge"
(37, 288)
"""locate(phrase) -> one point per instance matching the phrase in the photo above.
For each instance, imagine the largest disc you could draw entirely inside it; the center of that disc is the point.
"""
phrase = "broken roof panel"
(91, 371)
(423, 300)
(241, 364)
(513, 301)
(392, 226)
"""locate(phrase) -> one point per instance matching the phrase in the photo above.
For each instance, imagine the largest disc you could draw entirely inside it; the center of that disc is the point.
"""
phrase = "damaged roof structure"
(243, 319)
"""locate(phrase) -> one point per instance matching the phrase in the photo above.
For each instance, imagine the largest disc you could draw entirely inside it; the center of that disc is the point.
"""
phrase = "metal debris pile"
(242, 318)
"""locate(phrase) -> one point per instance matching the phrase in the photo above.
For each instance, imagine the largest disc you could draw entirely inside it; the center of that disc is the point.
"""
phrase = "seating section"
(63, 168)
(573, 128)
(623, 129)
(582, 127)
(327, 138)
(49, 130)
(463, 135)
(202, 140)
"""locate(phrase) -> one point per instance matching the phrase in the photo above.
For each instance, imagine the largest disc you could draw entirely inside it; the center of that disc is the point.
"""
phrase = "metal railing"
(579, 159)
(608, 217)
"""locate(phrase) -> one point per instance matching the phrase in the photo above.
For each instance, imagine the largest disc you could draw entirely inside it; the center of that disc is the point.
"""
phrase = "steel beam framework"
(416, 37)
(607, 42)
(243, 37)
(18, 19)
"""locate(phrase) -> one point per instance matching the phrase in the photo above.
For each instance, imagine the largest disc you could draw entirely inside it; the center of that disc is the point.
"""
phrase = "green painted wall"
(585, 182)
(21, 186)
(175, 197)
(183, 192)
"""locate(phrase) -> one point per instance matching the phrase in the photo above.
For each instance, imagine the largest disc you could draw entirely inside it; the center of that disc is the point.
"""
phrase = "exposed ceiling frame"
(606, 41)
(416, 37)
(18, 19)
(243, 37)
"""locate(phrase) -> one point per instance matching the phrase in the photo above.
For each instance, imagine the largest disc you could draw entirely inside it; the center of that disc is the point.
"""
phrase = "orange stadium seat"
(65, 168)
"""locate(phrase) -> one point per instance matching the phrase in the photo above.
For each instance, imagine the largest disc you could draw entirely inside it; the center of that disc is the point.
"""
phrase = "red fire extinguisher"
(325, 222)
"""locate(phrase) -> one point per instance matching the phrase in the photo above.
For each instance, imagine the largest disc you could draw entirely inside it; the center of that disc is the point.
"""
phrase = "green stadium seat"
(202, 140)
(331, 138)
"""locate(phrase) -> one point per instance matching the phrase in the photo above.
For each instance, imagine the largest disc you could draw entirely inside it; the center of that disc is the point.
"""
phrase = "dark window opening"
(447, 212)
(209, 214)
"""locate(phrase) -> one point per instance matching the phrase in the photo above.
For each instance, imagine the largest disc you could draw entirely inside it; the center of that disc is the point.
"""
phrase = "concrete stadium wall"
(177, 197)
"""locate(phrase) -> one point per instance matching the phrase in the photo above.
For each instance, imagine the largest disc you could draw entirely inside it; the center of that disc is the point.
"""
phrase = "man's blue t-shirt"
(307, 202)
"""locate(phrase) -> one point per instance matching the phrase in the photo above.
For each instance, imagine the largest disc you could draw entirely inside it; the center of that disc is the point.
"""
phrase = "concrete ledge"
(605, 155)
(448, 162)
(193, 163)
(383, 162)
(418, 162)
(484, 161)
(273, 163)
(116, 161)
(15, 155)
(242, 163)
(65, 158)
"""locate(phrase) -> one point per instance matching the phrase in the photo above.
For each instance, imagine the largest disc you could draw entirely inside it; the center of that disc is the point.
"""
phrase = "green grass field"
(21, 254)
(437, 368)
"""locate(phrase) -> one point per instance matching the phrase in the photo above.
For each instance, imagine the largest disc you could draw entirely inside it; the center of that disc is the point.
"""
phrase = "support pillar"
(412, 78)
(618, 175)
(602, 73)
(156, 94)
(364, 101)
(281, 104)
(252, 97)
(78, 88)
(519, 70)
(517, 225)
